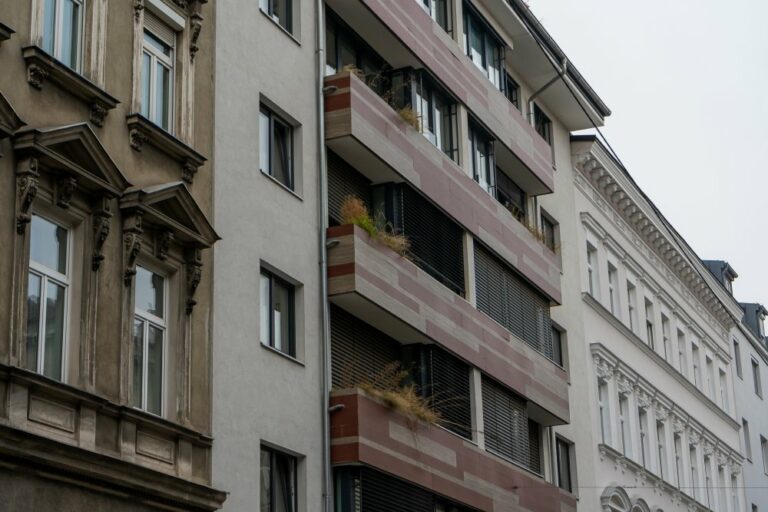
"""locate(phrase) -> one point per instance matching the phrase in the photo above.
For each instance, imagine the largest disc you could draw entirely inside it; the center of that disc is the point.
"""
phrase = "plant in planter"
(354, 211)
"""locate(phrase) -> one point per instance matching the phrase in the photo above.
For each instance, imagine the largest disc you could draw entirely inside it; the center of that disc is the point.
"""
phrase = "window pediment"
(172, 207)
(73, 150)
(9, 119)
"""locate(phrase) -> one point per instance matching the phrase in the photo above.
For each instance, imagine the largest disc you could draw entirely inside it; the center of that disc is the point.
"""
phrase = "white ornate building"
(658, 429)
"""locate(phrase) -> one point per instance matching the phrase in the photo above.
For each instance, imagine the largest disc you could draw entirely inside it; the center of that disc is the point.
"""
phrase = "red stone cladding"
(363, 266)
(355, 111)
(366, 431)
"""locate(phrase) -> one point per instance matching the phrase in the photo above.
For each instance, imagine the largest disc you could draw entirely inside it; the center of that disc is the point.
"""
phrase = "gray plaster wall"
(261, 396)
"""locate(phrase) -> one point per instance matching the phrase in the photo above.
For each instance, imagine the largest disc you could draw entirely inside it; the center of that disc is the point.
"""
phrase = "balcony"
(405, 35)
(398, 298)
(366, 431)
(366, 132)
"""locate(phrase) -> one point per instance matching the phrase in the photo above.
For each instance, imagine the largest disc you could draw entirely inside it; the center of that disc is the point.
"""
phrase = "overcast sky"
(687, 81)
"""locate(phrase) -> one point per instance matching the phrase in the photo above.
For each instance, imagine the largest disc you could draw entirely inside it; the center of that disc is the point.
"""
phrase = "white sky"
(687, 81)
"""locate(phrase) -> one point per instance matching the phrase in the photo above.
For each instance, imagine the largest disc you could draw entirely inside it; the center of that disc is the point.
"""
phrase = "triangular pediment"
(9, 119)
(172, 206)
(74, 149)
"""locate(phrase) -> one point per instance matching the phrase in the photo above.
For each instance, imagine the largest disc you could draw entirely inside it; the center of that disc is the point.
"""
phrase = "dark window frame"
(291, 311)
(564, 467)
(549, 230)
(477, 136)
(288, 25)
(447, 12)
(542, 124)
(511, 195)
(274, 119)
(512, 90)
(292, 466)
(474, 22)
(558, 350)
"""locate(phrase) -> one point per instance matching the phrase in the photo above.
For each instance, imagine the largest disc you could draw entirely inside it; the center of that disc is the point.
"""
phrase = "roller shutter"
(445, 381)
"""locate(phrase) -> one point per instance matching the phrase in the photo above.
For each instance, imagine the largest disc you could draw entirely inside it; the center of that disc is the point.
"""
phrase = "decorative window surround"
(42, 67)
(608, 366)
(671, 369)
(614, 189)
(9, 119)
(143, 130)
(5, 32)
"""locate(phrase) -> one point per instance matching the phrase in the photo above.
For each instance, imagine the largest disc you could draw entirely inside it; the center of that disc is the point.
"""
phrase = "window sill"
(5, 32)
(41, 67)
(143, 130)
(283, 354)
(281, 185)
(282, 28)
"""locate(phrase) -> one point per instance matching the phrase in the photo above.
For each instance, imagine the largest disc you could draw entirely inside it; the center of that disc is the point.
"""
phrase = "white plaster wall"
(261, 396)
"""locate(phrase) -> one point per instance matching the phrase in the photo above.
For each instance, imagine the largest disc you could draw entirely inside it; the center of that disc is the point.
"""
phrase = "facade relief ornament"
(603, 368)
(188, 171)
(678, 425)
(708, 448)
(722, 459)
(65, 187)
(643, 399)
(137, 139)
(36, 76)
(132, 232)
(194, 264)
(163, 244)
(662, 412)
(196, 25)
(98, 114)
(694, 437)
(624, 384)
(27, 183)
(138, 7)
(102, 218)
(735, 468)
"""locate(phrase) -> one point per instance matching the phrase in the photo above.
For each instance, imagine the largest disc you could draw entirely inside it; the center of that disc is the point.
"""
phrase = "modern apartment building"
(105, 208)
(749, 350)
(447, 119)
(658, 429)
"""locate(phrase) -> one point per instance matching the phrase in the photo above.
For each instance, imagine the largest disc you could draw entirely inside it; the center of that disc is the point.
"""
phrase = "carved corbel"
(27, 183)
(163, 243)
(65, 187)
(194, 263)
(603, 368)
(101, 221)
(132, 232)
(138, 7)
(98, 114)
(36, 75)
(137, 138)
(196, 25)
(188, 171)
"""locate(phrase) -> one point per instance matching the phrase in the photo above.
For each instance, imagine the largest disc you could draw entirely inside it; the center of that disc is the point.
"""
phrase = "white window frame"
(162, 325)
(613, 299)
(58, 30)
(661, 446)
(737, 358)
(757, 381)
(169, 62)
(48, 274)
(604, 411)
(591, 269)
(682, 346)
(694, 457)
(645, 449)
(764, 450)
(677, 439)
(650, 325)
(747, 439)
(665, 335)
(631, 305)
(696, 364)
(624, 430)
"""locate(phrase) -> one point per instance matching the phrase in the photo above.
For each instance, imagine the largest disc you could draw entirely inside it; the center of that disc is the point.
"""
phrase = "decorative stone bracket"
(102, 217)
(194, 264)
(132, 231)
(27, 183)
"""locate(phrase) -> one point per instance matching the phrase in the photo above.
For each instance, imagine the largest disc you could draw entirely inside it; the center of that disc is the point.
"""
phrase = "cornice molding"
(615, 191)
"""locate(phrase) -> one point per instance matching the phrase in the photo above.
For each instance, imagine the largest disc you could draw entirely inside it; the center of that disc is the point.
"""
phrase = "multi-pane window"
(149, 339)
(564, 477)
(626, 439)
(280, 11)
(482, 158)
(661, 447)
(605, 418)
(747, 438)
(737, 358)
(678, 460)
(708, 479)
(548, 229)
(681, 359)
(277, 313)
(276, 147)
(693, 457)
(665, 335)
(735, 493)
(436, 112)
(631, 308)
(512, 91)
(613, 296)
(483, 46)
(710, 367)
(511, 195)
(645, 448)
(63, 30)
(278, 481)
(649, 326)
(157, 72)
(48, 286)
(756, 378)
(542, 124)
(591, 269)
(696, 359)
(440, 11)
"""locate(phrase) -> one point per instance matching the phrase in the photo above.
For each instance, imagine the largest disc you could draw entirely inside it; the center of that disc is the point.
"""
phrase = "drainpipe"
(322, 212)
(560, 74)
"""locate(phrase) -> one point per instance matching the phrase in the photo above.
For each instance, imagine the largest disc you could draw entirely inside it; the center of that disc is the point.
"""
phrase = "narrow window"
(665, 336)
(511, 195)
(626, 439)
(693, 456)
(678, 460)
(157, 73)
(276, 147)
(649, 326)
(482, 158)
(756, 378)
(512, 91)
(564, 480)
(483, 47)
(661, 447)
(735, 493)
(645, 448)
(440, 11)
(764, 451)
(747, 438)
(710, 368)
(436, 112)
(278, 481)
(48, 285)
(548, 228)
(280, 11)
(605, 419)
(542, 124)
(63, 31)
(631, 309)
(149, 335)
(681, 359)
(591, 270)
(696, 362)
(613, 298)
(557, 345)
(277, 313)
(737, 358)
(708, 478)
(723, 390)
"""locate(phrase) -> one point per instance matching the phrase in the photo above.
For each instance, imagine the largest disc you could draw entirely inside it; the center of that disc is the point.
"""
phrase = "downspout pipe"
(322, 222)
(562, 69)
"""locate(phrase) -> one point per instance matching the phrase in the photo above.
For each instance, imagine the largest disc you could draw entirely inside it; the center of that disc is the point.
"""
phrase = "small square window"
(277, 314)
(276, 147)
(279, 10)
(278, 481)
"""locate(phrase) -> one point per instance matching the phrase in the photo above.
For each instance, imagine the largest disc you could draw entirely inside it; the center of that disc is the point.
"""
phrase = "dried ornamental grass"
(354, 211)
(410, 117)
